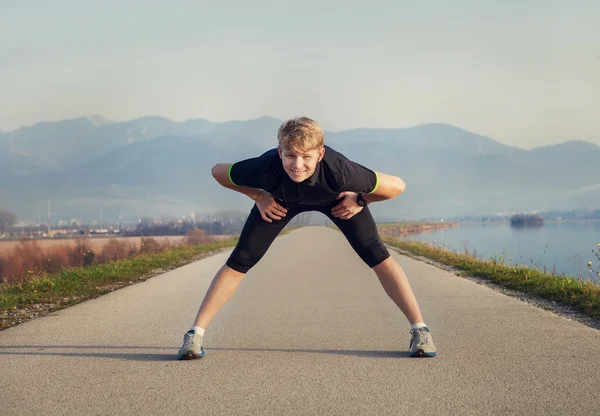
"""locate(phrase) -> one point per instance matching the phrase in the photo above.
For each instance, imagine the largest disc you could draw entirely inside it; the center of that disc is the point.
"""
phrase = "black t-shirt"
(334, 174)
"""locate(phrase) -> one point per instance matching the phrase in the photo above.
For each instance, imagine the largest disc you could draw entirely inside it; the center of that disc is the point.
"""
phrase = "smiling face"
(300, 165)
(301, 147)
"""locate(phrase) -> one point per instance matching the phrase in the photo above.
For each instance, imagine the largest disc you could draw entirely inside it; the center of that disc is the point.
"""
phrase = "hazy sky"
(525, 73)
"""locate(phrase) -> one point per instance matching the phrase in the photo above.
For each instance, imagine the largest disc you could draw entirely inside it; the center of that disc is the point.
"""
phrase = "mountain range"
(153, 166)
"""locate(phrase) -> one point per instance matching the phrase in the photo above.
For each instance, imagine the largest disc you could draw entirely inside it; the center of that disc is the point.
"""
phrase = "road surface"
(309, 331)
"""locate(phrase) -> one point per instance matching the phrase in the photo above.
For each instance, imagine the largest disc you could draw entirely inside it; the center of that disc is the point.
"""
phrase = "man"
(302, 174)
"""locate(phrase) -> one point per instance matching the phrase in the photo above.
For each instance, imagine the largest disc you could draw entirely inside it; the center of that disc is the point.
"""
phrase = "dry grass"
(196, 236)
(22, 260)
(38, 295)
(95, 243)
(398, 230)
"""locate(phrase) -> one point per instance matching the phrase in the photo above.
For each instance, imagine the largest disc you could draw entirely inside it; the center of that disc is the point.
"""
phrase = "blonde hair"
(300, 134)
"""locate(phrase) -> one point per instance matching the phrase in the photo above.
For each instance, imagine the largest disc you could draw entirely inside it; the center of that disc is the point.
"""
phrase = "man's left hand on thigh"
(348, 207)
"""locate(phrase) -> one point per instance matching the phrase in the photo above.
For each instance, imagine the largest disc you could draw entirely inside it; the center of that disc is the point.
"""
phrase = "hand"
(269, 208)
(348, 207)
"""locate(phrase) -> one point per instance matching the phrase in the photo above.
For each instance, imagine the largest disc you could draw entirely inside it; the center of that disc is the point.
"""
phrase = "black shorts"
(258, 235)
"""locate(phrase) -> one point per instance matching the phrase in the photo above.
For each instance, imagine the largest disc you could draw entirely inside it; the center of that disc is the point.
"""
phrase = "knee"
(374, 254)
(242, 260)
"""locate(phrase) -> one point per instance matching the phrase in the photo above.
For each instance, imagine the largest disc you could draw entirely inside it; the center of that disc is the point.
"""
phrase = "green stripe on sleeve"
(229, 173)
(376, 182)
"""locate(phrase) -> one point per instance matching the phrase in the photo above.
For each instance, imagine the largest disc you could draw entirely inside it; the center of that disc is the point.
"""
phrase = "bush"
(196, 237)
(166, 244)
(3, 270)
(81, 255)
(149, 245)
(27, 259)
(56, 260)
(115, 250)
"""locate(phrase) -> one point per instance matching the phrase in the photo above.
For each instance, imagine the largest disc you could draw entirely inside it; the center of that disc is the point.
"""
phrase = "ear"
(279, 150)
(321, 154)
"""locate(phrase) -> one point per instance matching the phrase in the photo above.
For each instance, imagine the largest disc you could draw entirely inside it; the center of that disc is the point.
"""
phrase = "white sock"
(199, 331)
(417, 325)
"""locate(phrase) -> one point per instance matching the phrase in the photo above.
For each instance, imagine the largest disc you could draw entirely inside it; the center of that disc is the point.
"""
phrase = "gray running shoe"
(421, 344)
(192, 346)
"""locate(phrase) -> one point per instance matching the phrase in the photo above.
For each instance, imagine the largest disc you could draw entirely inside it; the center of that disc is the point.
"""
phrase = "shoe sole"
(191, 356)
(421, 353)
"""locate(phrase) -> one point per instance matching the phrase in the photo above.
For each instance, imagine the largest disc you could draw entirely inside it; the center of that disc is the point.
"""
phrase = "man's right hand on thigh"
(269, 208)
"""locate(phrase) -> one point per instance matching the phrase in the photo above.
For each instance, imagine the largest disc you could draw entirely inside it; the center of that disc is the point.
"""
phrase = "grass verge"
(582, 295)
(40, 295)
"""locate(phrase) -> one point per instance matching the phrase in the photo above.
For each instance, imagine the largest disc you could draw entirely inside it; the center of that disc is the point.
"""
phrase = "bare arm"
(389, 187)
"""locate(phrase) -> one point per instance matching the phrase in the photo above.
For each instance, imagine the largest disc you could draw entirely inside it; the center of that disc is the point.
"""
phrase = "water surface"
(564, 247)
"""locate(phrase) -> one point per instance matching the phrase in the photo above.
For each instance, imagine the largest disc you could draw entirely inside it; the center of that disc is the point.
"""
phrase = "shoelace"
(189, 340)
(423, 337)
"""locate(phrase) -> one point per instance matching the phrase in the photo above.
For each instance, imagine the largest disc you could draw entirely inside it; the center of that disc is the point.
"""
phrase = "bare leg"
(396, 285)
(221, 289)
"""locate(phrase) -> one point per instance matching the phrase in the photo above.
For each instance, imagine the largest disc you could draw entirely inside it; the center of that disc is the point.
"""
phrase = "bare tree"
(7, 220)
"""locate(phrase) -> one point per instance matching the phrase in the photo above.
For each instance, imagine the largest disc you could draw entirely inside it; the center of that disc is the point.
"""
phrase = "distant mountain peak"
(268, 118)
(254, 120)
(445, 127)
(152, 119)
(98, 120)
(572, 144)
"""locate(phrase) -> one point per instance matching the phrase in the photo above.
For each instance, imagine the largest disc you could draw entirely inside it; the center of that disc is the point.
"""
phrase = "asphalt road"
(309, 331)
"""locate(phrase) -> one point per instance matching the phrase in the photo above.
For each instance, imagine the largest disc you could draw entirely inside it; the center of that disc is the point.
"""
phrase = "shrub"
(3, 270)
(27, 259)
(195, 237)
(115, 250)
(81, 255)
(149, 245)
(56, 260)
(166, 244)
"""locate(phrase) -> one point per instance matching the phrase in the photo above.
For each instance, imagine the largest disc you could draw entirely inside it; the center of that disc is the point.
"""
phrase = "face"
(300, 165)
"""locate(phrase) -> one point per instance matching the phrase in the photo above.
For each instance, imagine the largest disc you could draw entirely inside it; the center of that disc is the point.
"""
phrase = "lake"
(564, 247)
